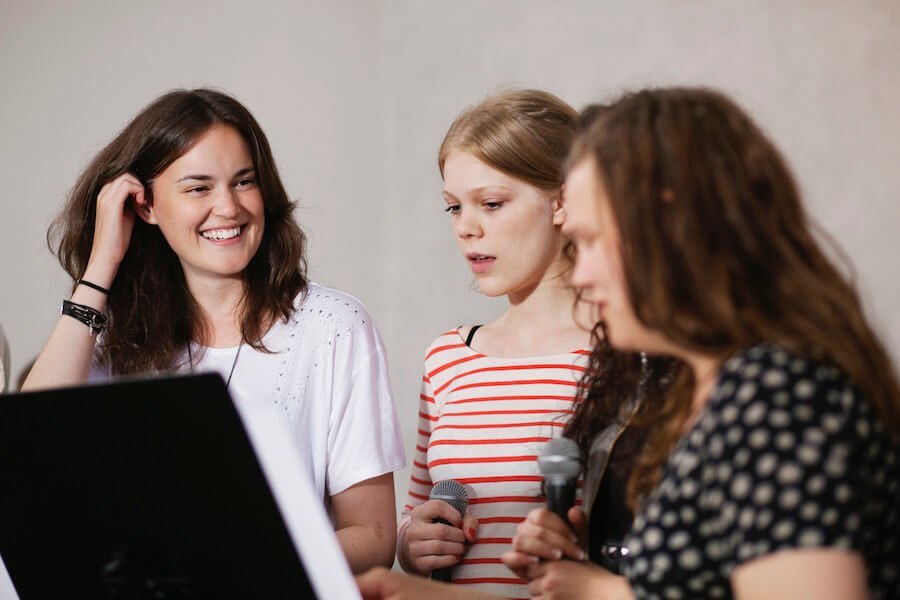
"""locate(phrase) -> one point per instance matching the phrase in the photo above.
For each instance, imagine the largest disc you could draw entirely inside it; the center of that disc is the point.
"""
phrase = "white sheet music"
(303, 513)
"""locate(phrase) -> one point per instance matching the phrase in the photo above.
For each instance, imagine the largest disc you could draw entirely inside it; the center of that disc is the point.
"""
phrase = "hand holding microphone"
(554, 532)
(439, 529)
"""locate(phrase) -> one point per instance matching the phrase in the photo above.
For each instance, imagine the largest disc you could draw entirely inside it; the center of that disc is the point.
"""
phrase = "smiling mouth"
(225, 233)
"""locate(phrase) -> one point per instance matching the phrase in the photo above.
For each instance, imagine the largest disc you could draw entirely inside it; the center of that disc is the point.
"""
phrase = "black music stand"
(139, 489)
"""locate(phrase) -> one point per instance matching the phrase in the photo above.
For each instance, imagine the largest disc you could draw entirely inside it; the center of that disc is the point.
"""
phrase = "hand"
(382, 584)
(568, 580)
(113, 226)
(426, 546)
(544, 536)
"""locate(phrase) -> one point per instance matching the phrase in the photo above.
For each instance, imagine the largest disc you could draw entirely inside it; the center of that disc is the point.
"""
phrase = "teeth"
(221, 234)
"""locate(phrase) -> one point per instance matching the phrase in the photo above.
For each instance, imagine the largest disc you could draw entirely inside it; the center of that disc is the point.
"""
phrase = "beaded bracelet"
(94, 319)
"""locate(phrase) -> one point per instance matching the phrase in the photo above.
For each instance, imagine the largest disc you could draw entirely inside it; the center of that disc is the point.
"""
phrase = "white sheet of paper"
(303, 513)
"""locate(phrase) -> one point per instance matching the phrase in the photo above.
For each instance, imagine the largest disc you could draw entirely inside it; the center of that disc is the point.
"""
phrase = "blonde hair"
(524, 133)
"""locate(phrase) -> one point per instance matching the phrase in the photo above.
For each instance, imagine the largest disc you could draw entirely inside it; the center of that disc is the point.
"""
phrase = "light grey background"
(355, 97)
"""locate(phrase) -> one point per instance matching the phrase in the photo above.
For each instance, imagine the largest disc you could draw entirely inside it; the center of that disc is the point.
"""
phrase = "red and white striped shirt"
(482, 422)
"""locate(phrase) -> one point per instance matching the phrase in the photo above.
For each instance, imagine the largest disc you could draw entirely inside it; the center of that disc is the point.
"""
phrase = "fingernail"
(581, 555)
(557, 553)
(472, 534)
(534, 559)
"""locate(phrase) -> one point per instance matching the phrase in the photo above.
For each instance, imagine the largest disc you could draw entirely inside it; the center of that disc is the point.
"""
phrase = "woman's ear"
(143, 207)
(559, 206)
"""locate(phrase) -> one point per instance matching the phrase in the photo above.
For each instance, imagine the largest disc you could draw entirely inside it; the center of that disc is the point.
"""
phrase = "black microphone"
(453, 493)
(560, 464)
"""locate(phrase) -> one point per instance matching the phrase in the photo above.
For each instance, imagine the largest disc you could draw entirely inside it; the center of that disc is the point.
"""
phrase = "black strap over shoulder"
(471, 334)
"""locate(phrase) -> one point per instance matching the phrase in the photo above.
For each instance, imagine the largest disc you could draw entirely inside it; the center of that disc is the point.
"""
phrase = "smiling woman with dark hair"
(180, 238)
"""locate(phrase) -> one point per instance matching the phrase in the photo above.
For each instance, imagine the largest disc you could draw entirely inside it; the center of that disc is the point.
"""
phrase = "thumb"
(578, 520)
(470, 527)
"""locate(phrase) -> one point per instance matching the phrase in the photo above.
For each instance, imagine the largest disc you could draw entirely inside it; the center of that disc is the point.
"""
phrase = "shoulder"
(324, 305)
(446, 346)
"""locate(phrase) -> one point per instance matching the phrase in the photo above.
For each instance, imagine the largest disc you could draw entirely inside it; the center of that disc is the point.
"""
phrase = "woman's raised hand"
(113, 226)
(545, 536)
(426, 546)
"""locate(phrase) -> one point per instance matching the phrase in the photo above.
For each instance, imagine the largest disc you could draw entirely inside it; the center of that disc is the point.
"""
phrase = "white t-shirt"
(328, 377)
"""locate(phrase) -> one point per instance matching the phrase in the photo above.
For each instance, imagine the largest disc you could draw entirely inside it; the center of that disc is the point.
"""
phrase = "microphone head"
(453, 493)
(560, 458)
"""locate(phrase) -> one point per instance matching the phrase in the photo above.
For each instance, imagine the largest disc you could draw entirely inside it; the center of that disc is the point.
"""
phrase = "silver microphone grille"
(560, 457)
(453, 493)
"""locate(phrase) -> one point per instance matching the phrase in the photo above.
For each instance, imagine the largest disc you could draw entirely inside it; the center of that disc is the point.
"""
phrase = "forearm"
(367, 546)
(66, 357)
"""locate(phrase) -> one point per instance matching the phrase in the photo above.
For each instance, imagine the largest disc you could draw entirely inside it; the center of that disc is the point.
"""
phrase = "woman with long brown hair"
(774, 471)
(180, 239)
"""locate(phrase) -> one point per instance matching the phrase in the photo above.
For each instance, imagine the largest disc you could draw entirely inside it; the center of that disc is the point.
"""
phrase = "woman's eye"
(492, 205)
(452, 209)
(246, 182)
(197, 190)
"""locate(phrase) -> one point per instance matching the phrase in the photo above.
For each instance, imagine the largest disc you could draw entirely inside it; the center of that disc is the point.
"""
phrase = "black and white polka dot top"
(785, 455)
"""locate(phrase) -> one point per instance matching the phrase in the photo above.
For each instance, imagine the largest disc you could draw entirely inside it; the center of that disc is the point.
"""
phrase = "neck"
(219, 299)
(705, 368)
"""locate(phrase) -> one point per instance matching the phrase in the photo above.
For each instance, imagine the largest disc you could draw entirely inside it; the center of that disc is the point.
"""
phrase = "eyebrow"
(479, 190)
(243, 171)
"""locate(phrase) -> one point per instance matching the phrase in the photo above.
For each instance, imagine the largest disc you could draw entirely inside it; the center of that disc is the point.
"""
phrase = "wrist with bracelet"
(94, 319)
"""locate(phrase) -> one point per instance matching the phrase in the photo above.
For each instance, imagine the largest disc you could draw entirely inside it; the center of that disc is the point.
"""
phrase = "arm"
(381, 584)
(423, 546)
(66, 357)
(819, 573)
(365, 522)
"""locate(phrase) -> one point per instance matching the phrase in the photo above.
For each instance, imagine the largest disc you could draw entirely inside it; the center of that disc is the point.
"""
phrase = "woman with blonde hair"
(494, 394)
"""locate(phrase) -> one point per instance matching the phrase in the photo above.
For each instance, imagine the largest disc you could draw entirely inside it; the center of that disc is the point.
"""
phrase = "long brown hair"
(718, 252)
(152, 315)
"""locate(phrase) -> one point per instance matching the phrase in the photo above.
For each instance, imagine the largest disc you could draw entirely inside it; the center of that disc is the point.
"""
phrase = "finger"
(470, 527)
(434, 562)
(578, 520)
(419, 548)
(545, 543)
(371, 583)
(437, 509)
(519, 563)
(434, 531)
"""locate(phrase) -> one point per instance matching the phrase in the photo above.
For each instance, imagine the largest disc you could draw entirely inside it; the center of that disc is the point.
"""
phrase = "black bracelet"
(94, 319)
(93, 285)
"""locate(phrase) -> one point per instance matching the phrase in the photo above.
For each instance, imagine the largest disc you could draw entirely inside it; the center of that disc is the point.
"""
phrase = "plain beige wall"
(356, 95)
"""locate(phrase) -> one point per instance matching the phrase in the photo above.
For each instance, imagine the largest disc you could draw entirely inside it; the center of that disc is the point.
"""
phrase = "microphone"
(453, 493)
(560, 463)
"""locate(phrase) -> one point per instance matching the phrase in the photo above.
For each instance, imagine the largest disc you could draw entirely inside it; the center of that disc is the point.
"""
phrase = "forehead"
(220, 144)
(583, 197)
(463, 170)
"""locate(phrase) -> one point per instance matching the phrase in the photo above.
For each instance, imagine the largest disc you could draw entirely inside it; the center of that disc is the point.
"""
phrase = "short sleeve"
(782, 461)
(420, 479)
(364, 438)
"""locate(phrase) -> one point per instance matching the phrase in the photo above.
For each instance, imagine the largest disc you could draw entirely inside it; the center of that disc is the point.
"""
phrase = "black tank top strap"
(471, 334)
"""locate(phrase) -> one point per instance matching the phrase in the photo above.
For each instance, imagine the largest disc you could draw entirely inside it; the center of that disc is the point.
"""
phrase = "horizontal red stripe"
(476, 580)
(489, 459)
(425, 434)
(482, 442)
(453, 363)
(427, 416)
(523, 382)
(421, 481)
(531, 411)
(495, 499)
(509, 368)
(425, 398)
(501, 520)
(497, 425)
(514, 397)
(481, 561)
(437, 349)
(419, 465)
(418, 496)
(493, 541)
(500, 479)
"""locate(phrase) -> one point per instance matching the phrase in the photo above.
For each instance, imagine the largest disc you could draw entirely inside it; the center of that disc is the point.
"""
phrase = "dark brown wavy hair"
(152, 315)
(718, 252)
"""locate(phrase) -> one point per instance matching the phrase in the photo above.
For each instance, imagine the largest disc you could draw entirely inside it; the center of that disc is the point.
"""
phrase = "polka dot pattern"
(785, 455)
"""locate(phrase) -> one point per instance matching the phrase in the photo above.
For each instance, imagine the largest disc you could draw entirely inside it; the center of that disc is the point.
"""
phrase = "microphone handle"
(444, 573)
(560, 498)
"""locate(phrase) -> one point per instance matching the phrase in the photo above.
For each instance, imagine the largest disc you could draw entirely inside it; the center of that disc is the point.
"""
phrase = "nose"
(468, 225)
(227, 203)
